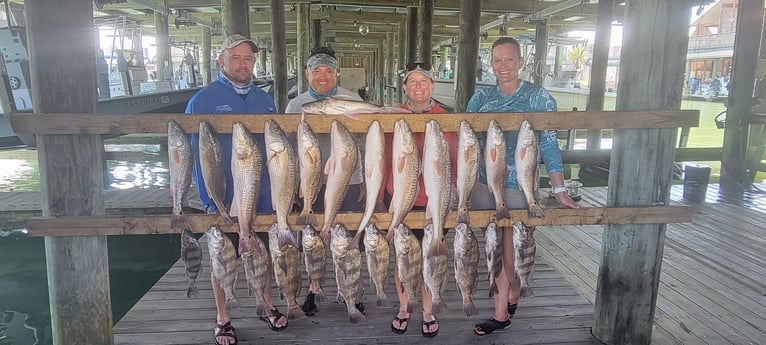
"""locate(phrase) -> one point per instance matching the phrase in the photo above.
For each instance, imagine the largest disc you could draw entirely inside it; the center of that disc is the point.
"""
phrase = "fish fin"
(401, 160)
(462, 215)
(261, 310)
(390, 235)
(437, 167)
(438, 306)
(232, 303)
(287, 238)
(353, 116)
(295, 312)
(535, 210)
(303, 218)
(383, 301)
(522, 154)
(502, 213)
(192, 292)
(493, 154)
(437, 249)
(282, 263)
(469, 309)
(393, 110)
(355, 316)
(526, 291)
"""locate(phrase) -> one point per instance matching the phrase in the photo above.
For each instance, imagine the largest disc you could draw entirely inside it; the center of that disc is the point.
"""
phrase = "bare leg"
(403, 314)
(222, 315)
(282, 321)
(427, 314)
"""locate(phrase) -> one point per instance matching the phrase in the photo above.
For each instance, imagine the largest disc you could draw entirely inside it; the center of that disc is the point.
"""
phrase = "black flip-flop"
(277, 316)
(400, 321)
(428, 324)
(226, 330)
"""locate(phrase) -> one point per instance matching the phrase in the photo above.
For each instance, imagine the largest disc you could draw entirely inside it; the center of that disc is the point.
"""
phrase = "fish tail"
(383, 301)
(307, 217)
(410, 306)
(469, 309)
(462, 215)
(526, 291)
(535, 210)
(261, 310)
(319, 297)
(176, 220)
(295, 312)
(286, 238)
(493, 289)
(355, 316)
(502, 212)
(192, 291)
(438, 306)
(232, 303)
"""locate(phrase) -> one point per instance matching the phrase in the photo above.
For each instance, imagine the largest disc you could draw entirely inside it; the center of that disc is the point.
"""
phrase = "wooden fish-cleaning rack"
(75, 124)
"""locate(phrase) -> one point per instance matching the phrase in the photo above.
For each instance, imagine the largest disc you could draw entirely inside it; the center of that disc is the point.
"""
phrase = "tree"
(577, 56)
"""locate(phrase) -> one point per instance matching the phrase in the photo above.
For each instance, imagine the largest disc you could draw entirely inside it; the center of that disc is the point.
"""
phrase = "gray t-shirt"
(295, 106)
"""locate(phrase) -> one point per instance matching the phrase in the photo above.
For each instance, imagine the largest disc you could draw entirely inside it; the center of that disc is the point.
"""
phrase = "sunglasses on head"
(414, 65)
(322, 50)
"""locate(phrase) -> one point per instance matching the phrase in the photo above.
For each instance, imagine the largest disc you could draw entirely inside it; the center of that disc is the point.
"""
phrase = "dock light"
(364, 29)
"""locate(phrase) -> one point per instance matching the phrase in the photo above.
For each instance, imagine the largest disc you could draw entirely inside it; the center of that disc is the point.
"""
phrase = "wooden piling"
(279, 54)
(651, 71)
(70, 168)
(425, 19)
(599, 66)
(734, 177)
(206, 54)
(163, 47)
(411, 49)
(468, 52)
(541, 52)
(236, 17)
(303, 47)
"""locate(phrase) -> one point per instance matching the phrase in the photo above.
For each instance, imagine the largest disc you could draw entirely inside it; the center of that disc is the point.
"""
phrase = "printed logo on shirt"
(223, 108)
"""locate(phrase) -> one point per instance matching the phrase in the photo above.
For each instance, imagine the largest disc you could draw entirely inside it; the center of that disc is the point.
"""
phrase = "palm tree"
(577, 56)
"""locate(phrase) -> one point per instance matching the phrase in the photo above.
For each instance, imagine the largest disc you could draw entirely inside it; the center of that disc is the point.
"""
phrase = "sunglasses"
(414, 65)
(322, 50)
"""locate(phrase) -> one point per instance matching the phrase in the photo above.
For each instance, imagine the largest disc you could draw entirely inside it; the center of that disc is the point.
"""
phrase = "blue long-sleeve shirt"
(220, 98)
(527, 98)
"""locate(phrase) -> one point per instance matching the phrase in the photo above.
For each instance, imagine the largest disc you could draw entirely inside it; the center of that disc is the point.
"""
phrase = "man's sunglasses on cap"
(415, 65)
(322, 50)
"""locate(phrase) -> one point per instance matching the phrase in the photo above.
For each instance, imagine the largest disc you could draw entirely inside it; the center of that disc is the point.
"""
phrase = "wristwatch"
(558, 189)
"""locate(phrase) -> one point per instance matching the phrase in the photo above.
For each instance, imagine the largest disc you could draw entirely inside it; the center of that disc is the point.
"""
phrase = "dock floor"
(711, 292)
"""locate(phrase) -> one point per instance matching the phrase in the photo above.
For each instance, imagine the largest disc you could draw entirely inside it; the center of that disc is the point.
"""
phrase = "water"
(135, 262)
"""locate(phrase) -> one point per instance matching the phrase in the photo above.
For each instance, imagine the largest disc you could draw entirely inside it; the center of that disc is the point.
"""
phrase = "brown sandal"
(227, 330)
(277, 316)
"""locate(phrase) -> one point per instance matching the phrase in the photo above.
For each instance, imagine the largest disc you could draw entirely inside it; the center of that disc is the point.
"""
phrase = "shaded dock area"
(711, 292)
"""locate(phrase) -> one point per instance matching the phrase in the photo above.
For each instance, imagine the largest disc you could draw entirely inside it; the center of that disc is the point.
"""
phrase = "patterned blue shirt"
(527, 98)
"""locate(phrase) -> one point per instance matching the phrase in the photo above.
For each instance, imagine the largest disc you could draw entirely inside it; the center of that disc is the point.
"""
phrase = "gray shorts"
(481, 199)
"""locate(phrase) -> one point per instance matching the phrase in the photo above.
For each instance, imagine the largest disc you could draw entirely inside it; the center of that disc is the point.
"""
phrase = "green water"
(135, 262)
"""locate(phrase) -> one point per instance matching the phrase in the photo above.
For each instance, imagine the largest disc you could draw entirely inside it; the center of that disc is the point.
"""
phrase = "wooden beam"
(599, 156)
(158, 123)
(640, 172)
(152, 225)
(61, 43)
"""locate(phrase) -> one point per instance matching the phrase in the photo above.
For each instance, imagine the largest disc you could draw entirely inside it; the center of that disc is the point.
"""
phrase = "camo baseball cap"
(421, 67)
(317, 60)
(235, 39)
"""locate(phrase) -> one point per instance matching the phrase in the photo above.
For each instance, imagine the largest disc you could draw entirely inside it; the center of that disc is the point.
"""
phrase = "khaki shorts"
(481, 199)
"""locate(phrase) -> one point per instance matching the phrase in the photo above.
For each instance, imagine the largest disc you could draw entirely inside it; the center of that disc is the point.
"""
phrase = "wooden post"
(279, 54)
(468, 52)
(303, 33)
(641, 166)
(236, 17)
(411, 48)
(316, 34)
(263, 53)
(206, 54)
(402, 45)
(426, 14)
(70, 169)
(734, 177)
(163, 47)
(380, 77)
(599, 66)
(541, 52)
(390, 66)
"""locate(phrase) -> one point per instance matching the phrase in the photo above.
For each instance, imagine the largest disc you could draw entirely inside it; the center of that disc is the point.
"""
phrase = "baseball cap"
(235, 39)
(322, 59)
(421, 67)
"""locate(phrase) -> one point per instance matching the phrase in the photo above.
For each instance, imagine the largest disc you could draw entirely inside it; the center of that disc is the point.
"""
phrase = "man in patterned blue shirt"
(514, 95)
